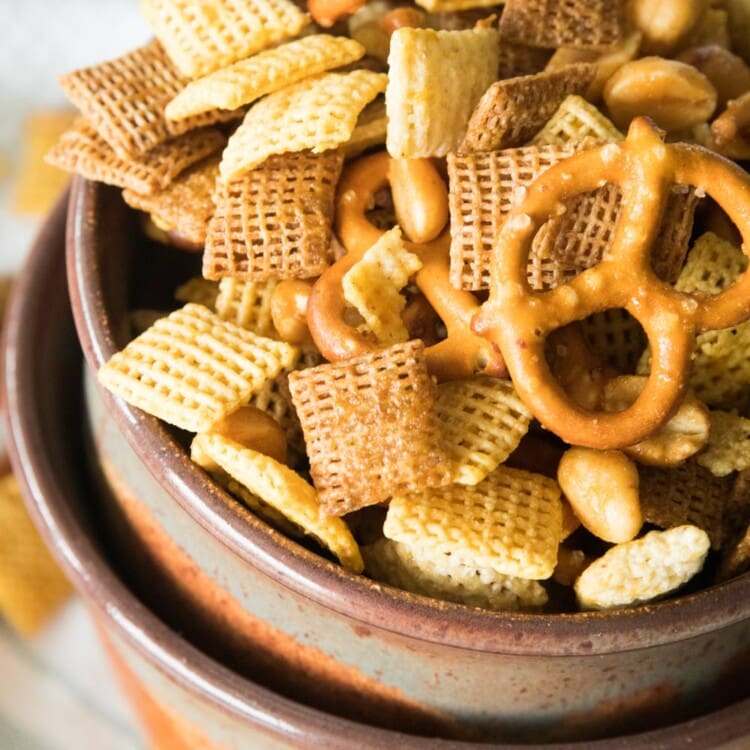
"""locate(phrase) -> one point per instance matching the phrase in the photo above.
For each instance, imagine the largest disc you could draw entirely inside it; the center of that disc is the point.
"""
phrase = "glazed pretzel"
(462, 352)
(519, 319)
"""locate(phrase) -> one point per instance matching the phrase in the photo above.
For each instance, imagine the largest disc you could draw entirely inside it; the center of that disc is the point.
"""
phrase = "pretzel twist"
(519, 320)
(462, 352)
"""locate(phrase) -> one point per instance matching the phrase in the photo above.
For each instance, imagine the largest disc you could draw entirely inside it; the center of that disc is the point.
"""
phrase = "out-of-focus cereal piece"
(712, 266)
(606, 62)
(82, 151)
(665, 26)
(644, 569)
(370, 130)
(731, 129)
(510, 522)
(440, 575)
(602, 489)
(484, 187)
(513, 110)
(247, 80)
(247, 304)
(318, 113)
(366, 25)
(185, 206)
(275, 221)
(192, 368)
(684, 494)
(713, 28)
(143, 318)
(283, 489)
(200, 291)
(735, 548)
(39, 184)
(615, 336)
(578, 23)
(369, 427)
(728, 446)
(739, 26)
(483, 421)
(373, 287)
(520, 59)
(570, 564)
(680, 438)
(202, 37)
(435, 80)
(32, 588)
(673, 94)
(124, 99)
(576, 120)
(729, 73)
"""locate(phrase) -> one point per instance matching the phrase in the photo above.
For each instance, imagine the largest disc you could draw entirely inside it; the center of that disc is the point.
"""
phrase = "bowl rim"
(308, 574)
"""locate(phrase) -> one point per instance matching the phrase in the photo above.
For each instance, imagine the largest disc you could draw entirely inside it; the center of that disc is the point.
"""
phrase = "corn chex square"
(369, 131)
(201, 37)
(318, 113)
(728, 447)
(443, 577)
(483, 421)
(82, 151)
(199, 290)
(576, 120)
(615, 337)
(283, 489)
(435, 80)
(247, 80)
(510, 522)
(124, 100)
(192, 368)
(644, 569)
(369, 426)
(247, 304)
(563, 23)
(275, 221)
(512, 111)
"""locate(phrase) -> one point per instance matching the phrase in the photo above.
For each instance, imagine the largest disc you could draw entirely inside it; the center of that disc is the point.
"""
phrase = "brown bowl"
(343, 642)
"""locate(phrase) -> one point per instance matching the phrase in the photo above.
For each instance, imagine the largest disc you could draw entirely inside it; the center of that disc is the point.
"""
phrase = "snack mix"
(473, 315)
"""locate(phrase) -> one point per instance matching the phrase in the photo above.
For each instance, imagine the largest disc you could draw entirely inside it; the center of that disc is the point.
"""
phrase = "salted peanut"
(673, 94)
(289, 310)
(729, 73)
(681, 437)
(602, 488)
(731, 129)
(665, 23)
(644, 569)
(254, 429)
(326, 12)
(398, 18)
(420, 198)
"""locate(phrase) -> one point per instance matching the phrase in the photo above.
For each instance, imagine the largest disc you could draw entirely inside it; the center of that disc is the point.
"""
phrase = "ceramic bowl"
(307, 629)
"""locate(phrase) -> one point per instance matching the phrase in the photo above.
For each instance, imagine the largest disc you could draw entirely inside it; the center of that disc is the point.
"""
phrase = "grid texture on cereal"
(482, 421)
(576, 120)
(443, 577)
(185, 205)
(275, 222)
(616, 337)
(512, 111)
(728, 448)
(520, 59)
(192, 368)
(319, 113)
(510, 522)
(563, 23)
(684, 494)
(648, 567)
(247, 304)
(369, 426)
(81, 150)
(124, 100)
(202, 37)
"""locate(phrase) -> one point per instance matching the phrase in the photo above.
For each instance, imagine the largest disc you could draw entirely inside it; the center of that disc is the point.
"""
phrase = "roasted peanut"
(365, 28)
(254, 429)
(327, 12)
(681, 437)
(602, 488)
(400, 17)
(729, 74)
(665, 23)
(673, 94)
(289, 310)
(731, 129)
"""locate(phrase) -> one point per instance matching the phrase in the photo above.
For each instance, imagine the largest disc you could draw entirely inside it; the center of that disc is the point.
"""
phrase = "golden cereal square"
(248, 305)
(435, 80)
(369, 426)
(512, 111)
(192, 368)
(317, 114)
(124, 100)
(563, 23)
(275, 222)
(576, 120)
(441, 576)
(370, 131)
(82, 151)
(510, 522)
(728, 448)
(521, 60)
(247, 80)
(201, 37)
(199, 290)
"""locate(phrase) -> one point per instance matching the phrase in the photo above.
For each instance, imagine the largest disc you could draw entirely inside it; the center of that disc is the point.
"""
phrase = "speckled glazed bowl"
(278, 611)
